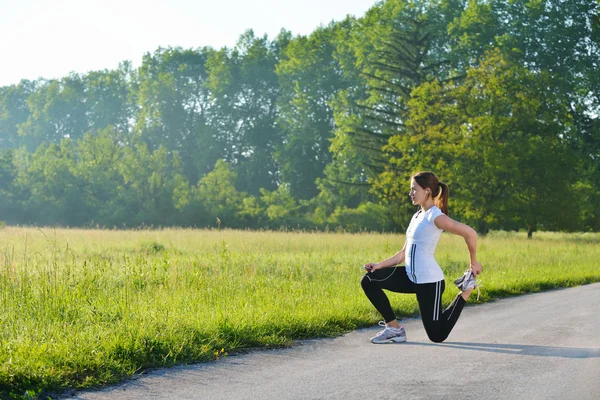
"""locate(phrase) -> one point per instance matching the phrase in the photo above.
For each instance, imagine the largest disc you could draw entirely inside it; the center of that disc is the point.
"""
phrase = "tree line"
(501, 98)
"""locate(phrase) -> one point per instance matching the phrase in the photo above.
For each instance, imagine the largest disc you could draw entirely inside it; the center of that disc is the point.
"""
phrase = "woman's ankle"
(393, 324)
(466, 294)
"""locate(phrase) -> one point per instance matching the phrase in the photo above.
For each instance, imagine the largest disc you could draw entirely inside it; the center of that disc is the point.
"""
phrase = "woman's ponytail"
(441, 199)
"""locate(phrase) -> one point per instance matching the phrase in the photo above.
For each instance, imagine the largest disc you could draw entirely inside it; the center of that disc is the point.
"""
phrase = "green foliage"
(246, 89)
(14, 110)
(175, 108)
(368, 217)
(217, 194)
(500, 97)
(496, 138)
(252, 212)
(310, 76)
(8, 173)
(281, 208)
(397, 45)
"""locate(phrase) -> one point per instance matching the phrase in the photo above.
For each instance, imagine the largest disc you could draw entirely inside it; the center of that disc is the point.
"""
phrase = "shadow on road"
(520, 349)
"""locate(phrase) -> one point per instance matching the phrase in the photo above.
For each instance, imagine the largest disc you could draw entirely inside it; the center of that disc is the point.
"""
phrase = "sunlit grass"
(83, 307)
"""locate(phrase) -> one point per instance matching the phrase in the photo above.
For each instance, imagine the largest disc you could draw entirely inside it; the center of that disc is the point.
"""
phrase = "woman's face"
(417, 194)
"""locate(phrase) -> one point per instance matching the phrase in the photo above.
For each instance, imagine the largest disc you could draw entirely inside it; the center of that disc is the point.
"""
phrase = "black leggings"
(437, 323)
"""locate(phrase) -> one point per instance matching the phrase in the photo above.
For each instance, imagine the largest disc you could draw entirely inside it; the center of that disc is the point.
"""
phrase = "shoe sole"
(459, 283)
(392, 340)
(462, 289)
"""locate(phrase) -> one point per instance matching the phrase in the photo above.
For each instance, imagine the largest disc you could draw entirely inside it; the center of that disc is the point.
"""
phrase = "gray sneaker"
(466, 282)
(389, 335)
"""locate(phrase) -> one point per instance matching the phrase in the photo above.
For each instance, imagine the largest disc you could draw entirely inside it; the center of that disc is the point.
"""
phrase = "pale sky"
(50, 38)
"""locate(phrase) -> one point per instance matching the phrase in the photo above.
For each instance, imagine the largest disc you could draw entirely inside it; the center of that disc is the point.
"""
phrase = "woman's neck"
(427, 205)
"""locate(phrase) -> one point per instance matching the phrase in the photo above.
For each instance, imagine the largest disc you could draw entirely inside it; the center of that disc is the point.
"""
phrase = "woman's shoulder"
(433, 213)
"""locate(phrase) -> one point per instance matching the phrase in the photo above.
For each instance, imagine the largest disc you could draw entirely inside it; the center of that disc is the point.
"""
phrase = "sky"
(50, 39)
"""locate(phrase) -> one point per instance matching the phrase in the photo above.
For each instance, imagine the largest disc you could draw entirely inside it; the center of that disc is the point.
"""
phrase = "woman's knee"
(436, 337)
(365, 282)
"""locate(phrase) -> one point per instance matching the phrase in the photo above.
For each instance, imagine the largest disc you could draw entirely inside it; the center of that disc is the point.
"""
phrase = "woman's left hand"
(476, 268)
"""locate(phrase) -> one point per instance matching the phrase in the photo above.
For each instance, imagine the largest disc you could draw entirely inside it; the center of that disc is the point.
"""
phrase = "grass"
(81, 308)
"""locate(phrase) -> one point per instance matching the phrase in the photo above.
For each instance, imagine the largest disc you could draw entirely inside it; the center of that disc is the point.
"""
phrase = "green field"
(80, 308)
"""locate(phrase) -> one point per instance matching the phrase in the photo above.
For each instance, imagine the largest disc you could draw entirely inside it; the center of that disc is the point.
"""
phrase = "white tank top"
(422, 237)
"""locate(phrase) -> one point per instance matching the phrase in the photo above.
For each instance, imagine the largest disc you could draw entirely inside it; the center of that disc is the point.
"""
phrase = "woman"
(421, 274)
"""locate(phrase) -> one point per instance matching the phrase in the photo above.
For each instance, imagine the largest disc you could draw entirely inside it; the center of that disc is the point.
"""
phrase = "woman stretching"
(421, 274)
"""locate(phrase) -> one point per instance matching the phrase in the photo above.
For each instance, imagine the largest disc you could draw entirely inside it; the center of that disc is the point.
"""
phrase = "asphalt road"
(539, 346)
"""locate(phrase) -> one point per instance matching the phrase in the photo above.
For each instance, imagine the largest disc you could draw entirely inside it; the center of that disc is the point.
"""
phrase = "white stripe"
(435, 302)
(452, 312)
(436, 308)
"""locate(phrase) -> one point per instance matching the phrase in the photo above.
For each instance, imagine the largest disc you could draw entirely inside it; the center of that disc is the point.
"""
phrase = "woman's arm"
(394, 260)
(448, 224)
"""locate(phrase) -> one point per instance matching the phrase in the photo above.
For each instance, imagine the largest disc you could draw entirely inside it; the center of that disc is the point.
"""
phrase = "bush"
(366, 217)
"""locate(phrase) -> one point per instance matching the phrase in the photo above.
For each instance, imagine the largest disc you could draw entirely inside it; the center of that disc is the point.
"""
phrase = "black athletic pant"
(437, 323)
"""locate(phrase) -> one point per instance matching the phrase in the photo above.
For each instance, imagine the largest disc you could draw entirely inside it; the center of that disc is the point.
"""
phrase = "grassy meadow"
(79, 308)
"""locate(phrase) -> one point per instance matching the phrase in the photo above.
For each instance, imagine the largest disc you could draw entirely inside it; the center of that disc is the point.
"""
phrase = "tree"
(99, 158)
(110, 99)
(9, 200)
(176, 108)
(150, 179)
(310, 76)
(58, 111)
(217, 196)
(559, 40)
(245, 88)
(14, 111)
(397, 46)
(281, 208)
(53, 191)
(499, 140)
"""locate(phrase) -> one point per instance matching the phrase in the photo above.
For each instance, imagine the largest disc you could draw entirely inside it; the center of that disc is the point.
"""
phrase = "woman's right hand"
(370, 267)
(476, 268)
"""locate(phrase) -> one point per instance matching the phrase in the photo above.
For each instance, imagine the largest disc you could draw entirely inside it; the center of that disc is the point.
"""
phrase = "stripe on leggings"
(453, 307)
(436, 305)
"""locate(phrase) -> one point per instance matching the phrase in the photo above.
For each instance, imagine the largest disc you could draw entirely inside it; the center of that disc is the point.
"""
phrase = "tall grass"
(80, 308)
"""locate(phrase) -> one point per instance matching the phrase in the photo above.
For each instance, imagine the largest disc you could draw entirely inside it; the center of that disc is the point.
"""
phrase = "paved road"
(540, 346)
